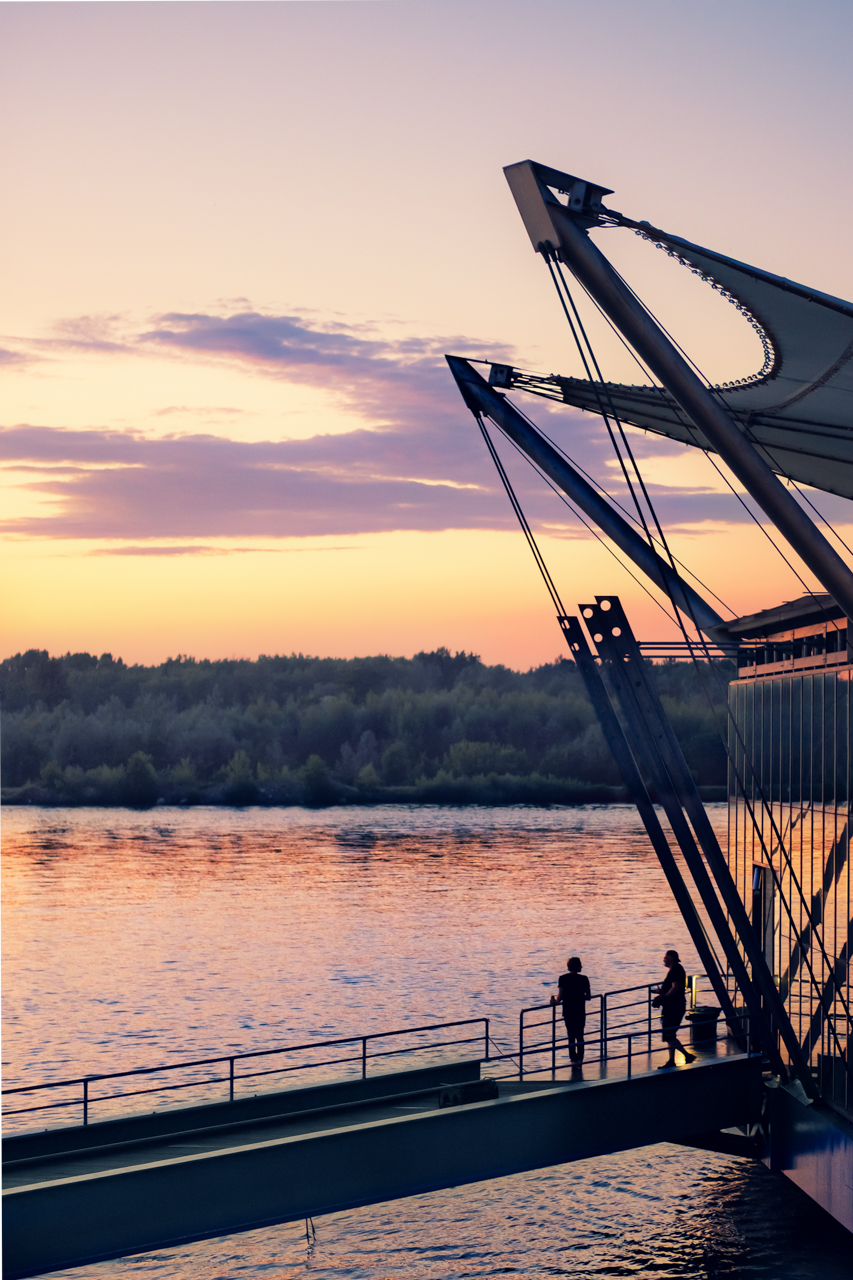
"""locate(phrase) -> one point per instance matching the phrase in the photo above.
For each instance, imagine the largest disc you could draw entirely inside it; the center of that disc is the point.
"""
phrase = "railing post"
(230, 1079)
(630, 1039)
(486, 1020)
(649, 1015)
(553, 1037)
(521, 1044)
(603, 1020)
(364, 1057)
(85, 1102)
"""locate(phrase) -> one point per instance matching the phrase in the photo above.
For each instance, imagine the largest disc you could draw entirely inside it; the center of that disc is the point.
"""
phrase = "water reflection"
(135, 938)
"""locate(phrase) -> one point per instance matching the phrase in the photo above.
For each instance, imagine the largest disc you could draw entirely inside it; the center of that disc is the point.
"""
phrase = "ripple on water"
(134, 938)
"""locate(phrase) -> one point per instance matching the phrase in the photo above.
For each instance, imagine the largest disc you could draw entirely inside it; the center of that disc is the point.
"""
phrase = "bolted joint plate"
(537, 189)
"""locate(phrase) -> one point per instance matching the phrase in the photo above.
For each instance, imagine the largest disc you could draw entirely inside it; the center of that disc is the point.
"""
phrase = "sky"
(237, 240)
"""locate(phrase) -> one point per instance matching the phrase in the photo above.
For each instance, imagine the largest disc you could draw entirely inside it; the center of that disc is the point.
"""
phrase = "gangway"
(83, 1193)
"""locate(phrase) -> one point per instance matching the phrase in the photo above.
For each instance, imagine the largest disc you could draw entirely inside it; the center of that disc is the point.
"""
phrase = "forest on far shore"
(435, 728)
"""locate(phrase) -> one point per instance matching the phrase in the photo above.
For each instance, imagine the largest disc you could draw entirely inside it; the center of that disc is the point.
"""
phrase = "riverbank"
(439, 728)
(317, 794)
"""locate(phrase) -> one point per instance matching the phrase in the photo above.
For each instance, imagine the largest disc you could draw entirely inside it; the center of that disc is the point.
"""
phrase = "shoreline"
(493, 793)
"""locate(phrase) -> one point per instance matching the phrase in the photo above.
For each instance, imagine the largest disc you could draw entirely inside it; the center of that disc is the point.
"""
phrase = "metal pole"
(487, 1038)
(630, 1039)
(649, 1015)
(483, 399)
(85, 1103)
(364, 1057)
(589, 265)
(521, 1044)
(230, 1079)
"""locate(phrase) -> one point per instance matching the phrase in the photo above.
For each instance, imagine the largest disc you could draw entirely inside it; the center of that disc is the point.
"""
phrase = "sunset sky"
(238, 239)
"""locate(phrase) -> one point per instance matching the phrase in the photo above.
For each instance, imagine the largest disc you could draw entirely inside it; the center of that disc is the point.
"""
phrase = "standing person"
(572, 993)
(672, 1002)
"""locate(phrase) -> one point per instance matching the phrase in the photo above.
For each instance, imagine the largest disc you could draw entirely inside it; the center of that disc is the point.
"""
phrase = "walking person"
(672, 1002)
(572, 993)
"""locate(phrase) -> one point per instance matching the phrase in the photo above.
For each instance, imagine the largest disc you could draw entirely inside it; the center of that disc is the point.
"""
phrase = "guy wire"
(522, 520)
(555, 444)
(557, 278)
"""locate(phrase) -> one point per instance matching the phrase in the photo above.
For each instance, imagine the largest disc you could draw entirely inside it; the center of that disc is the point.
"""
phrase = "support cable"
(830, 526)
(557, 278)
(682, 568)
(522, 520)
(586, 523)
(558, 275)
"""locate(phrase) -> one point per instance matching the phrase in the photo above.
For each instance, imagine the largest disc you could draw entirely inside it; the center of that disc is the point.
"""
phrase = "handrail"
(362, 1056)
(613, 1029)
(631, 1030)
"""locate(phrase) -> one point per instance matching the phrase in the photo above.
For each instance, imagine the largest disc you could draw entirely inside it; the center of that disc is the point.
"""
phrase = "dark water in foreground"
(134, 938)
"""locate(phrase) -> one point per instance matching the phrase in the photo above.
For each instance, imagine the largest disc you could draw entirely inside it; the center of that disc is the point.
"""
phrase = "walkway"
(81, 1194)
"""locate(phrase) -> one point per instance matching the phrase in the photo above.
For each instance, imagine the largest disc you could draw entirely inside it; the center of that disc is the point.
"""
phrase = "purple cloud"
(197, 549)
(420, 464)
(204, 486)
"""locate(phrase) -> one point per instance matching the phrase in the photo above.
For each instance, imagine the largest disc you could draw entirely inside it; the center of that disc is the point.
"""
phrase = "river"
(136, 938)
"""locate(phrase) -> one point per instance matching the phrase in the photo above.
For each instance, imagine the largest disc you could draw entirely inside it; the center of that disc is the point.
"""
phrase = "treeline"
(438, 727)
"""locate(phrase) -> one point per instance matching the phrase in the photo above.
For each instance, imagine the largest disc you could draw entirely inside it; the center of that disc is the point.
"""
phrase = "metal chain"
(763, 336)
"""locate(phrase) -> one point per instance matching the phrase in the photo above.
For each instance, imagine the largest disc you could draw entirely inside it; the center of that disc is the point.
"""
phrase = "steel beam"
(615, 642)
(483, 400)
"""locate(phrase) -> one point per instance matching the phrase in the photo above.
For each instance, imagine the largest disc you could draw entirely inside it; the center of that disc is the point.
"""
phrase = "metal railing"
(618, 1024)
(85, 1099)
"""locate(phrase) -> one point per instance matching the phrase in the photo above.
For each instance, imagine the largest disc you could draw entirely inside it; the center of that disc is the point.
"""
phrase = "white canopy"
(800, 410)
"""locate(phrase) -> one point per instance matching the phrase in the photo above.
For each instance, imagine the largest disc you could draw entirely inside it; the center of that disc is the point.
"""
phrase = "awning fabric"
(799, 409)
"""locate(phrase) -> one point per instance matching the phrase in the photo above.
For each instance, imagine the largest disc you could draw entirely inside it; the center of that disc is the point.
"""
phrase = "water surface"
(137, 938)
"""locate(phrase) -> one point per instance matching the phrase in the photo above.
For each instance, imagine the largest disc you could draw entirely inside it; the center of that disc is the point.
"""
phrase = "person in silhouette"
(572, 993)
(672, 1002)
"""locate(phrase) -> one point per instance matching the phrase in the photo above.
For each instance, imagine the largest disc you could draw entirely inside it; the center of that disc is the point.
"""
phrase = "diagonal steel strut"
(680, 798)
(483, 399)
(614, 736)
